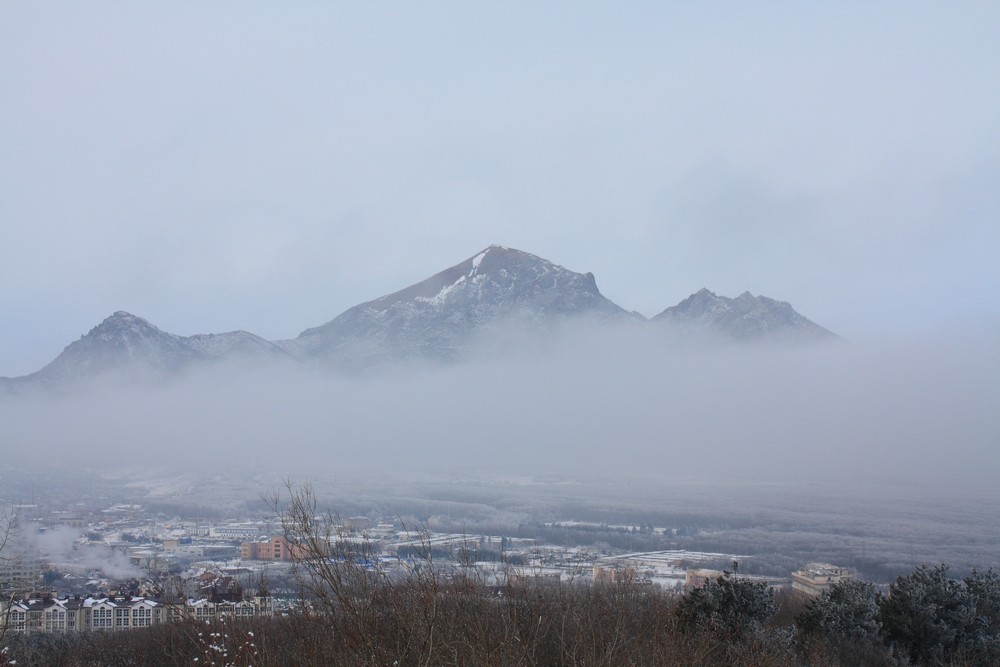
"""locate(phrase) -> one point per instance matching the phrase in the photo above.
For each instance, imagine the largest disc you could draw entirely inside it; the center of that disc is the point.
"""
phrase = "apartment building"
(120, 613)
(275, 548)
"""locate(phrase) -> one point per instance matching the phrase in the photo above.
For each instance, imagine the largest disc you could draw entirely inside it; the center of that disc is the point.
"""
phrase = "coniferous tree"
(929, 617)
(732, 608)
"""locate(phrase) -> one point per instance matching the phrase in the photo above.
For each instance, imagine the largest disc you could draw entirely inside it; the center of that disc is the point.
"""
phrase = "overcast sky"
(262, 166)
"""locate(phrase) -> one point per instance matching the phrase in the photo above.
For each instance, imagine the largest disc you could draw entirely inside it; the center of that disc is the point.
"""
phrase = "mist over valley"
(797, 446)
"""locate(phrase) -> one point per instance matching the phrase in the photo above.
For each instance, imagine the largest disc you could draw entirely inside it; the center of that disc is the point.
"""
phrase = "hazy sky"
(264, 166)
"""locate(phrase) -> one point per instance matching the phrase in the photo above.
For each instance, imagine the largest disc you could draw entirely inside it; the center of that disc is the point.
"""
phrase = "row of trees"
(928, 618)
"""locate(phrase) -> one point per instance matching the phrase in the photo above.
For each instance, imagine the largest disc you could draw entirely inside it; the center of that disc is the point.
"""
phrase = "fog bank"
(921, 413)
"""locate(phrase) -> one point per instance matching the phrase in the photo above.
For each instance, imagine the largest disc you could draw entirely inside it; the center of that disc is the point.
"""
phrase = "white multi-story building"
(237, 531)
(120, 613)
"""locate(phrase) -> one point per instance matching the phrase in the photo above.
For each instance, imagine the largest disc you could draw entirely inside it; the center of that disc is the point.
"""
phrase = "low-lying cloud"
(629, 404)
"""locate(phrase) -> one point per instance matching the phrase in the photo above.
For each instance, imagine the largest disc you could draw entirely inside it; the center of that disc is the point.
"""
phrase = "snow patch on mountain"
(439, 298)
(477, 260)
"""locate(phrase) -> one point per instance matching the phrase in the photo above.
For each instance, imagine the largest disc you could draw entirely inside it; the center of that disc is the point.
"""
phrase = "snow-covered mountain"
(437, 318)
(747, 317)
(127, 344)
(122, 341)
(497, 291)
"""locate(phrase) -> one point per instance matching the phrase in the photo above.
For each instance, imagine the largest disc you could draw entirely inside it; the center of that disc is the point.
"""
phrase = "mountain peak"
(124, 325)
(122, 341)
(745, 317)
(126, 343)
(437, 317)
(123, 317)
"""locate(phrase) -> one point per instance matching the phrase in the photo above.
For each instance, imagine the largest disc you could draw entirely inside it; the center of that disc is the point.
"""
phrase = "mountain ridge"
(436, 319)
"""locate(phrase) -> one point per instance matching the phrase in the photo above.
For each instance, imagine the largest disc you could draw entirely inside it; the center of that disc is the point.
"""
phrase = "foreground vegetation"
(928, 619)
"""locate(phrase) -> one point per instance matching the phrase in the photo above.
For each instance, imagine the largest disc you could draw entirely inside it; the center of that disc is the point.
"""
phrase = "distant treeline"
(773, 553)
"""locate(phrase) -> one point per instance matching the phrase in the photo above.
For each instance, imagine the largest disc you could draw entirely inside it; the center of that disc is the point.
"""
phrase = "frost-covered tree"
(8, 523)
(984, 587)
(929, 617)
(843, 624)
(849, 610)
(729, 607)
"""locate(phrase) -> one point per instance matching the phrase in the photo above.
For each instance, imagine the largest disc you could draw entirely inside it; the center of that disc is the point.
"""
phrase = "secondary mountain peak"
(122, 325)
(126, 344)
(743, 318)
(120, 341)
